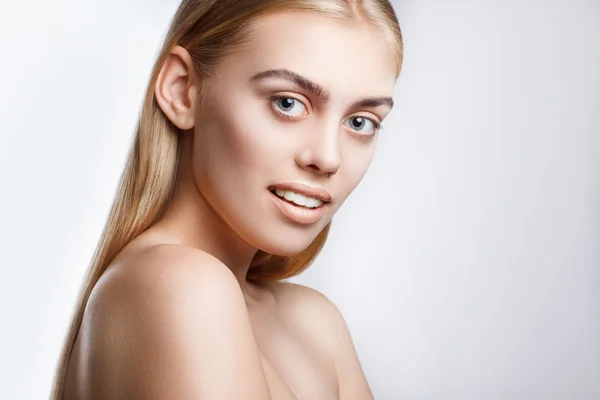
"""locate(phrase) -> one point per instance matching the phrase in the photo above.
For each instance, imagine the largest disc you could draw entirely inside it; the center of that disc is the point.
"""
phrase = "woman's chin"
(285, 248)
(286, 244)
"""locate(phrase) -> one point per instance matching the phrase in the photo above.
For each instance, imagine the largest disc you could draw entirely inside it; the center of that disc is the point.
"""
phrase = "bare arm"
(173, 326)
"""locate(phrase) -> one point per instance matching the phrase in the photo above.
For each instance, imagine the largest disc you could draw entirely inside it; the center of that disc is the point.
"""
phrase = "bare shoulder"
(305, 302)
(163, 276)
(312, 312)
(168, 322)
(162, 268)
(316, 316)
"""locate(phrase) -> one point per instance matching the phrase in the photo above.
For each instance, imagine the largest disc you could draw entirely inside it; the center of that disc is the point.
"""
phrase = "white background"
(467, 263)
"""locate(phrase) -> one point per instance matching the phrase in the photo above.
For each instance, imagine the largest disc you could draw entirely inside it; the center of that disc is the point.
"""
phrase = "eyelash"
(376, 125)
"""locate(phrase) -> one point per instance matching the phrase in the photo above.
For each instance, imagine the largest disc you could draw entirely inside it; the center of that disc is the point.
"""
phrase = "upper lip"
(310, 191)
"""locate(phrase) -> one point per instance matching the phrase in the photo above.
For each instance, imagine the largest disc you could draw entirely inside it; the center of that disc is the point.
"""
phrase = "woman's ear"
(176, 88)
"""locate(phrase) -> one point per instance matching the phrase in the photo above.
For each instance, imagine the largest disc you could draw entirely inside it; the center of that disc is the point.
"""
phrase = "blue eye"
(358, 124)
(290, 106)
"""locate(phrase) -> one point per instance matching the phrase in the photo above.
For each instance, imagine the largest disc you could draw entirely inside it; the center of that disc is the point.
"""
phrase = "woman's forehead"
(340, 56)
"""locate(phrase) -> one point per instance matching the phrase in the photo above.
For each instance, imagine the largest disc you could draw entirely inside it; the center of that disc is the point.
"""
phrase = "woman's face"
(293, 114)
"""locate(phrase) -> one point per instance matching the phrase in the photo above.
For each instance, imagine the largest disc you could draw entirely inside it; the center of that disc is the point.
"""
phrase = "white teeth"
(291, 196)
(312, 203)
(298, 198)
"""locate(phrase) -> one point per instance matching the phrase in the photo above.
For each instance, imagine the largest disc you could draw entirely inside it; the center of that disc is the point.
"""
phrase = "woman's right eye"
(290, 106)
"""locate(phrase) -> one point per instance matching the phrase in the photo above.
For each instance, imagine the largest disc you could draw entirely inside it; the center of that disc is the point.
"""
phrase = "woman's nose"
(320, 154)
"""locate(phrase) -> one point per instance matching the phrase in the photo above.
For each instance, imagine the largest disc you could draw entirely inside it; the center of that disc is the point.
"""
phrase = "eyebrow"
(318, 90)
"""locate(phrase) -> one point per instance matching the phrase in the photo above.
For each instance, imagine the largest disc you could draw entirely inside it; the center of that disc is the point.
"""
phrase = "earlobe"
(175, 88)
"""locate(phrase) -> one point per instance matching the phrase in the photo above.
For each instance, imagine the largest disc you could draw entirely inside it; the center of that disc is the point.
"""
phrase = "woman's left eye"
(363, 125)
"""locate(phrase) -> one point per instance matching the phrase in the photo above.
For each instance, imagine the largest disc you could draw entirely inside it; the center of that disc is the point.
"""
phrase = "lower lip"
(298, 214)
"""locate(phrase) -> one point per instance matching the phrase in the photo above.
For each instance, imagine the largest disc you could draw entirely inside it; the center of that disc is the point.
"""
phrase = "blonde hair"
(208, 30)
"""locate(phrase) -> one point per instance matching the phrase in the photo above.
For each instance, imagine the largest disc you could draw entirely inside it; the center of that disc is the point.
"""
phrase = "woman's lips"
(298, 214)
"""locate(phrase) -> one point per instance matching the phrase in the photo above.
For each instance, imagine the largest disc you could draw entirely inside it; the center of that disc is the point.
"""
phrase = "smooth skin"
(174, 316)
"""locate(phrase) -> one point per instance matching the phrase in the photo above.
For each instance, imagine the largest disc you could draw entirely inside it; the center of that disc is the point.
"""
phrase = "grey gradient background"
(467, 262)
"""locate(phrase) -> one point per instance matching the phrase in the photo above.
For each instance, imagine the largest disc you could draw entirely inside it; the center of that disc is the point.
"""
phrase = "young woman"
(260, 118)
